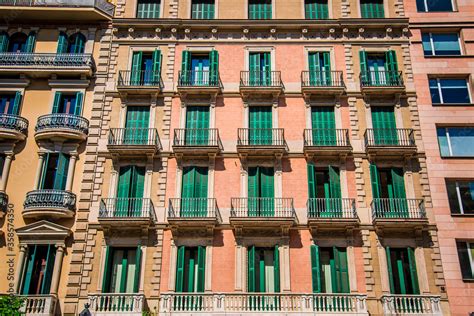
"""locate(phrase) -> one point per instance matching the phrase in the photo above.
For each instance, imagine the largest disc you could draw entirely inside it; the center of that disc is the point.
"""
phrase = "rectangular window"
(402, 273)
(9, 103)
(194, 191)
(263, 268)
(261, 191)
(146, 68)
(260, 9)
(202, 9)
(68, 103)
(316, 9)
(434, 5)
(197, 125)
(260, 68)
(441, 44)
(372, 9)
(136, 125)
(148, 9)
(54, 172)
(39, 265)
(323, 123)
(466, 259)
(190, 270)
(130, 190)
(461, 196)
(260, 125)
(449, 91)
(122, 270)
(456, 141)
(384, 126)
(330, 273)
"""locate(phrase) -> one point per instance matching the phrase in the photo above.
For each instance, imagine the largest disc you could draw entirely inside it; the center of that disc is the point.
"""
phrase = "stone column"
(58, 262)
(19, 269)
(70, 172)
(39, 169)
(6, 171)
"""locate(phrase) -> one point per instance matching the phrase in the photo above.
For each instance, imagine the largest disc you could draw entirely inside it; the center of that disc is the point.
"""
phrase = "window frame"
(191, 11)
(432, 46)
(439, 88)
(469, 245)
(272, 7)
(458, 196)
(448, 141)
(425, 4)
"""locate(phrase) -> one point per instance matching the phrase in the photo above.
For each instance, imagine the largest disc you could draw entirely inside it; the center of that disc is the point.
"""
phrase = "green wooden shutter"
(200, 191)
(314, 68)
(324, 126)
(254, 69)
(391, 67)
(413, 273)
(30, 42)
(364, 66)
(107, 272)
(186, 67)
(79, 43)
(136, 191)
(201, 265)
(341, 270)
(157, 57)
(61, 172)
(123, 190)
(187, 192)
(400, 206)
(62, 43)
(374, 178)
(267, 69)
(136, 125)
(390, 270)
(29, 269)
(335, 205)
(276, 269)
(214, 68)
(78, 105)
(267, 191)
(4, 39)
(56, 102)
(384, 125)
(327, 68)
(136, 75)
(138, 263)
(44, 170)
(180, 270)
(253, 190)
(16, 103)
(251, 269)
(311, 181)
(315, 269)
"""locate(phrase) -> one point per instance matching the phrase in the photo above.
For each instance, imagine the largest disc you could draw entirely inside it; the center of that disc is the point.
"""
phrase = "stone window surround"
(183, 112)
(114, 177)
(342, 173)
(89, 34)
(277, 175)
(397, 109)
(210, 164)
(125, 103)
(407, 175)
(145, 49)
(216, 9)
(67, 86)
(469, 82)
(70, 150)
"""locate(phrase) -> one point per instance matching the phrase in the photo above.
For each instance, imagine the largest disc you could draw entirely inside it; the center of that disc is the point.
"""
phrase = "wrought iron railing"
(398, 208)
(60, 121)
(261, 137)
(13, 123)
(198, 78)
(134, 137)
(394, 304)
(326, 137)
(103, 5)
(126, 208)
(56, 199)
(260, 78)
(262, 207)
(381, 78)
(38, 305)
(3, 202)
(193, 208)
(389, 137)
(197, 137)
(331, 208)
(139, 78)
(45, 60)
(117, 303)
(323, 78)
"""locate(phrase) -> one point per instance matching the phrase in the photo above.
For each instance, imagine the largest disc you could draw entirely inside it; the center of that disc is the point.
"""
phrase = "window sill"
(448, 56)
(463, 215)
(457, 157)
(452, 104)
(468, 280)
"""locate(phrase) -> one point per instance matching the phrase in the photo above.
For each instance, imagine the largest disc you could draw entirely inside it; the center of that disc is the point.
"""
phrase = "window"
(261, 191)
(194, 192)
(263, 268)
(372, 9)
(148, 9)
(379, 69)
(55, 172)
(316, 9)
(10, 103)
(461, 196)
(260, 68)
(67, 103)
(130, 191)
(323, 123)
(388, 192)
(330, 272)
(324, 191)
(260, 125)
(74, 44)
(402, 273)
(17, 43)
(449, 91)
(197, 125)
(202, 9)
(434, 5)
(146, 68)
(319, 68)
(466, 259)
(199, 69)
(384, 126)
(136, 125)
(441, 44)
(122, 270)
(38, 270)
(260, 9)
(190, 270)
(456, 141)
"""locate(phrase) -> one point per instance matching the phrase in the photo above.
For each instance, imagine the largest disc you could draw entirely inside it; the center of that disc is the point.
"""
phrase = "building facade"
(241, 157)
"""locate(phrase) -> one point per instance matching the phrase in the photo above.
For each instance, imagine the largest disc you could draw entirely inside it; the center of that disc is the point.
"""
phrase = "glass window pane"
(443, 142)
(453, 197)
(446, 44)
(466, 189)
(427, 44)
(462, 141)
(435, 97)
(465, 252)
(439, 5)
(420, 5)
(454, 91)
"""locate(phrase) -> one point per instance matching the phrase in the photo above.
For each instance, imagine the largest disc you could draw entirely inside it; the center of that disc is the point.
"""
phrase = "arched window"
(17, 43)
(73, 44)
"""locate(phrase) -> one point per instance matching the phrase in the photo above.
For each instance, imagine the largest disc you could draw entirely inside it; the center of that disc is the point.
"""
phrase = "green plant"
(10, 305)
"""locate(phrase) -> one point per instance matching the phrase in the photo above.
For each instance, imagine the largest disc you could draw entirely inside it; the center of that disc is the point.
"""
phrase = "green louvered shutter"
(253, 192)
(136, 125)
(312, 191)
(314, 69)
(364, 74)
(327, 69)
(376, 194)
(315, 269)
(390, 270)
(62, 43)
(79, 44)
(187, 192)
(400, 206)
(78, 105)
(30, 43)
(324, 126)
(251, 269)
(197, 125)
(30, 261)
(137, 187)
(107, 272)
(201, 268)
(214, 68)
(16, 103)
(413, 274)
(260, 124)
(254, 69)
(335, 206)
(123, 191)
(136, 73)
(267, 190)
(56, 102)
(391, 68)
(384, 126)
(180, 270)
(267, 69)
(138, 263)
(372, 9)
(61, 172)
(157, 57)
(186, 67)
(4, 39)
(341, 269)
(316, 9)
(276, 269)
(44, 170)
(200, 191)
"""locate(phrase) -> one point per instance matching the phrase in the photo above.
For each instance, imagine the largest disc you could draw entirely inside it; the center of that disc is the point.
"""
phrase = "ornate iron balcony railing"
(389, 137)
(261, 137)
(58, 199)
(262, 207)
(193, 208)
(102, 5)
(260, 78)
(14, 123)
(393, 208)
(331, 208)
(126, 208)
(318, 78)
(141, 78)
(327, 137)
(62, 121)
(134, 137)
(381, 78)
(198, 78)
(45, 60)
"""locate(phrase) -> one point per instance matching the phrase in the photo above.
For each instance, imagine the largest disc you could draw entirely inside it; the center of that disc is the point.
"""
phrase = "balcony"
(381, 82)
(117, 304)
(395, 305)
(193, 212)
(261, 141)
(139, 82)
(53, 10)
(45, 64)
(398, 213)
(196, 141)
(126, 213)
(390, 142)
(134, 141)
(49, 203)
(260, 82)
(3, 203)
(61, 127)
(322, 83)
(13, 127)
(331, 213)
(39, 305)
(326, 142)
(199, 82)
(278, 304)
